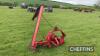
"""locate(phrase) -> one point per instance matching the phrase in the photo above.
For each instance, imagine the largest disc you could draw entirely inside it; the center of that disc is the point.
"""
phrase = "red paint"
(51, 39)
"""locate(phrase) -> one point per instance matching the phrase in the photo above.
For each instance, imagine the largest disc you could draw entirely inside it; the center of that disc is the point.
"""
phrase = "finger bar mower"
(51, 39)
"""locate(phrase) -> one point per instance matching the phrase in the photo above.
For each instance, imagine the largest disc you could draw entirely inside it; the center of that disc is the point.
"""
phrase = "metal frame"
(51, 39)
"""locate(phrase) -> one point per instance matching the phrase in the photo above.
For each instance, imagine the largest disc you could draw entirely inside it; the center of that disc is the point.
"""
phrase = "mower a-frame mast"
(51, 39)
(37, 27)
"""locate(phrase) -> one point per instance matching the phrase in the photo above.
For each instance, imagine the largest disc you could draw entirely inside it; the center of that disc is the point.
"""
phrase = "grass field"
(16, 29)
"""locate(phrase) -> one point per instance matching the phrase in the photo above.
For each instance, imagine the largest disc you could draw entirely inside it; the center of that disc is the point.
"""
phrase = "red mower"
(51, 39)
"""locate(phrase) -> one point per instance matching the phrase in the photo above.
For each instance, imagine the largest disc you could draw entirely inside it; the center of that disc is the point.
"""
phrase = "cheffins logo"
(81, 48)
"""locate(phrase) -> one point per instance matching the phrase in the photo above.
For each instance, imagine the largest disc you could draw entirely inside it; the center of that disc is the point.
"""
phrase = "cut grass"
(16, 29)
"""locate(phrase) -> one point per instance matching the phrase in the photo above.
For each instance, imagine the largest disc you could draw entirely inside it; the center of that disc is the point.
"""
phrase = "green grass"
(16, 29)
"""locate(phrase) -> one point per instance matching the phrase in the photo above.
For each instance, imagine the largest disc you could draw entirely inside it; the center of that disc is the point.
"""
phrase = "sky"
(83, 2)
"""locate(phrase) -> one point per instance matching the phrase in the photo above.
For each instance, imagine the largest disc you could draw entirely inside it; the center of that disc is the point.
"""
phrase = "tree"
(98, 3)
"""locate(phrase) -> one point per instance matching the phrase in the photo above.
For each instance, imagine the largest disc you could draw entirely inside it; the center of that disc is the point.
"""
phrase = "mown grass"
(16, 29)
